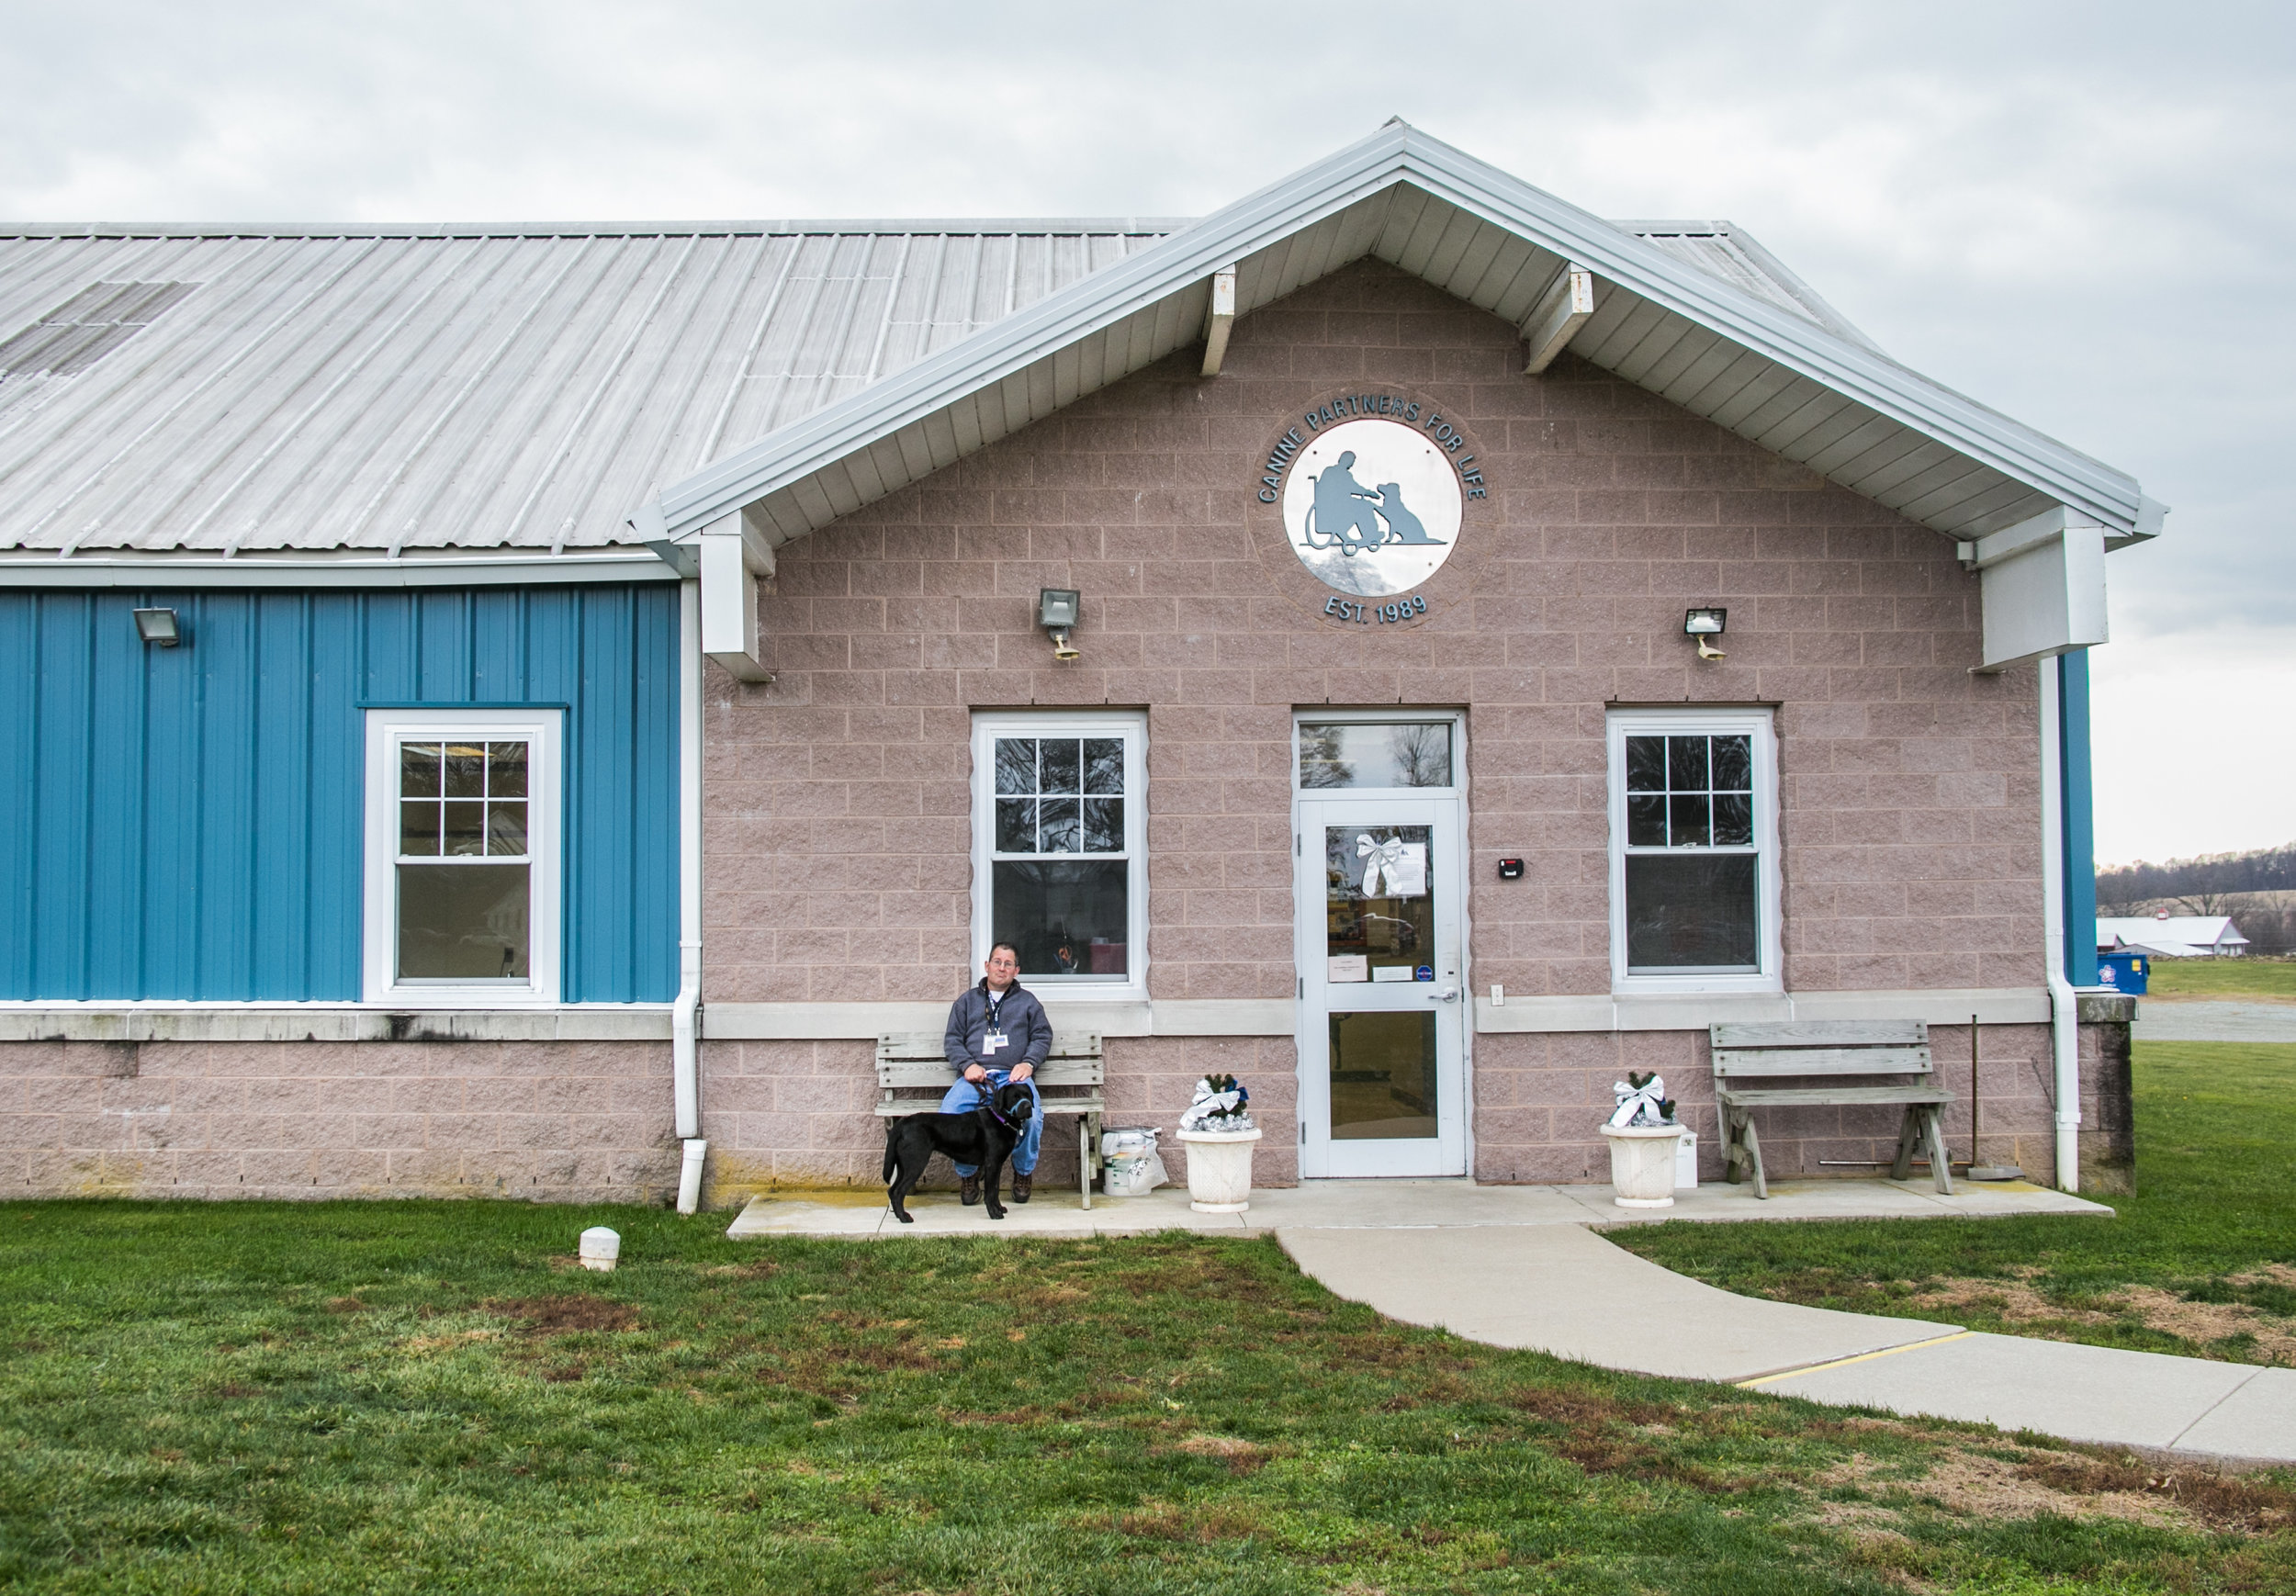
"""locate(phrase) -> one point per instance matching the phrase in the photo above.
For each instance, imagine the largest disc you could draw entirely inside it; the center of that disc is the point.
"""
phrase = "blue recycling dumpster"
(2125, 971)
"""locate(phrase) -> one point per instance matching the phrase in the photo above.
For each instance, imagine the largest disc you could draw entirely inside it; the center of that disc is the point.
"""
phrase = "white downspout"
(2063, 1006)
(684, 1038)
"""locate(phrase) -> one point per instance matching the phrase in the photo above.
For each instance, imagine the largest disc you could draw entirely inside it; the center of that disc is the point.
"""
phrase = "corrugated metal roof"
(408, 389)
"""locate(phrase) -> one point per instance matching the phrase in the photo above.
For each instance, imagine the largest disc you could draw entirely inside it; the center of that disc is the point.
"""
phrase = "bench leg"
(1734, 1157)
(1908, 1139)
(1934, 1118)
(1085, 1138)
(1751, 1140)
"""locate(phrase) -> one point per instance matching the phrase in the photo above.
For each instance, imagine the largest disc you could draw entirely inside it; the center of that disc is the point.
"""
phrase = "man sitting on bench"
(997, 1032)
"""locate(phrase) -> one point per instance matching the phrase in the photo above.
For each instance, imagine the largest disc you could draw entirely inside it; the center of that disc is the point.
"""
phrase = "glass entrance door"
(1381, 1028)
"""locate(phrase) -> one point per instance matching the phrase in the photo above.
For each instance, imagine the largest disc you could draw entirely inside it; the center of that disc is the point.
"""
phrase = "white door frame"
(1444, 809)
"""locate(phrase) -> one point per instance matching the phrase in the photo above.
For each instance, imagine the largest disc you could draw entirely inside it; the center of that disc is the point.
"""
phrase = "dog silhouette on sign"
(1402, 526)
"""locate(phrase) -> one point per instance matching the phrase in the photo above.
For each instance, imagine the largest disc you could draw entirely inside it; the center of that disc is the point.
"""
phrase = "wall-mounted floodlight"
(158, 626)
(1056, 611)
(1703, 624)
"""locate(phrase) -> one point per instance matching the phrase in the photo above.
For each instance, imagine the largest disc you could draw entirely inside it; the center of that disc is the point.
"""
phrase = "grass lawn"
(409, 1396)
(2230, 978)
(2201, 1261)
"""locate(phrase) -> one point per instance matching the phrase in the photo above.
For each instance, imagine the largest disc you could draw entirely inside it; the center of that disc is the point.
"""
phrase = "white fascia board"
(1184, 261)
(154, 571)
(2042, 588)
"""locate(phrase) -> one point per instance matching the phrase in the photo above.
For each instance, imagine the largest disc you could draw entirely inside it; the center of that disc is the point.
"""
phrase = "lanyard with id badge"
(994, 1041)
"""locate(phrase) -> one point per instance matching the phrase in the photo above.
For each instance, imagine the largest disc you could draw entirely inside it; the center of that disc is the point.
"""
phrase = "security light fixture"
(1056, 611)
(158, 626)
(1703, 624)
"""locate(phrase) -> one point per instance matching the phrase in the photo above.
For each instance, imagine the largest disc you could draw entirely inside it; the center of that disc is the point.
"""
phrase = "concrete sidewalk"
(857, 1212)
(1566, 1291)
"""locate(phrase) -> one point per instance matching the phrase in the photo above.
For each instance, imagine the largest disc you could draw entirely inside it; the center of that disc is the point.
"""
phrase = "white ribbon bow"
(1381, 858)
(1200, 1114)
(1638, 1105)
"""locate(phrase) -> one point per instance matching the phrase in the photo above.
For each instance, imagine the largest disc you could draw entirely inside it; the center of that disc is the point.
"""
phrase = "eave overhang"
(1836, 406)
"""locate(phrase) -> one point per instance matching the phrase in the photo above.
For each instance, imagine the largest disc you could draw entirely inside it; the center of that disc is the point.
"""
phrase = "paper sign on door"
(1348, 967)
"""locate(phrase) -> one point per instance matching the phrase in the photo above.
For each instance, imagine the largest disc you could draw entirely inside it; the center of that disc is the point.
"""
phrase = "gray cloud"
(2080, 214)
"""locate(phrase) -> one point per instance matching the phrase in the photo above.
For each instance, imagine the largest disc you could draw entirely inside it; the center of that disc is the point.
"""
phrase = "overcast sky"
(2080, 214)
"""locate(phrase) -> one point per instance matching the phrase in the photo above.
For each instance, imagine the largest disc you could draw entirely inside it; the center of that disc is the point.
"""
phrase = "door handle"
(1447, 995)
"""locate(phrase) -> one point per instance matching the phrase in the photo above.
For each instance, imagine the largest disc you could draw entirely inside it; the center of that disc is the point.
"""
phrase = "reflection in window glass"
(1692, 871)
(1383, 1077)
(1337, 754)
(463, 914)
(1059, 881)
(462, 923)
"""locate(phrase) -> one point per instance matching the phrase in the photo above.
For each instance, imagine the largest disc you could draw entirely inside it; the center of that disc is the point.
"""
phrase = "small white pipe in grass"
(600, 1247)
(685, 1065)
(2063, 1006)
(690, 1177)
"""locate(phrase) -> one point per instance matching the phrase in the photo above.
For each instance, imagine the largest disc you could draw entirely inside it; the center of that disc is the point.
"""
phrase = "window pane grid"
(1693, 868)
(1059, 795)
(463, 800)
(1689, 792)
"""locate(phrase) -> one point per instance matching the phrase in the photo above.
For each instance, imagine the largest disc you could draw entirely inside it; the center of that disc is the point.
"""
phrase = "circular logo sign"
(1372, 507)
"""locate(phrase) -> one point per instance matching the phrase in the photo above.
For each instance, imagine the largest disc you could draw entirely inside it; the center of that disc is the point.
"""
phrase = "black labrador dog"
(984, 1136)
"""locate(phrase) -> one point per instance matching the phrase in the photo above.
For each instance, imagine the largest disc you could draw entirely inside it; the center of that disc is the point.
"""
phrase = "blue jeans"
(964, 1096)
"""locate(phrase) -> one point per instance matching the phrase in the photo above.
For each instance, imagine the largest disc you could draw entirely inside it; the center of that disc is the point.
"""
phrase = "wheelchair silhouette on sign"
(1353, 519)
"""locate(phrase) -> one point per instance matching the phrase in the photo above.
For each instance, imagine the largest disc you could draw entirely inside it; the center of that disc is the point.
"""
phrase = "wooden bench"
(1837, 1049)
(1068, 1082)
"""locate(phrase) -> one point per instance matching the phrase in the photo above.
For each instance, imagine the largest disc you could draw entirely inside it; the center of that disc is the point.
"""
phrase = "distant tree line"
(2214, 884)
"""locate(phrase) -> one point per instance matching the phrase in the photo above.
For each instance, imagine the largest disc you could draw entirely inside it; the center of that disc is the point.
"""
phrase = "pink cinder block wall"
(839, 795)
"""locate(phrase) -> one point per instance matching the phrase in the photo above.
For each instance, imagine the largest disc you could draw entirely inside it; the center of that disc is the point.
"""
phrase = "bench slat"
(1053, 1073)
(902, 1108)
(1847, 1096)
(1817, 1033)
(1812, 1061)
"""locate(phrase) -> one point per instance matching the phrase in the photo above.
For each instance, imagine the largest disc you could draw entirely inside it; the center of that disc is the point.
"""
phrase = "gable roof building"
(1429, 646)
(2172, 936)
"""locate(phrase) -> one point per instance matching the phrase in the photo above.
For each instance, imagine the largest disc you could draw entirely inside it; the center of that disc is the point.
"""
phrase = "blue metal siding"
(2077, 790)
(187, 822)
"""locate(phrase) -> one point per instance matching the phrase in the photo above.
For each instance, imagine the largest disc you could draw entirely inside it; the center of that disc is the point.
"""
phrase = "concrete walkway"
(2211, 1020)
(861, 1212)
(1519, 1266)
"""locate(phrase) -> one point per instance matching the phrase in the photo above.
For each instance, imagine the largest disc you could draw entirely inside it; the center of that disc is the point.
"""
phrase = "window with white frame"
(462, 856)
(1060, 865)
(1694, 873)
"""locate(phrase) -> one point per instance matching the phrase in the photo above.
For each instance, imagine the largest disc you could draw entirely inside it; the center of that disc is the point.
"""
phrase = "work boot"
(969, 1188)
(1021, 1186)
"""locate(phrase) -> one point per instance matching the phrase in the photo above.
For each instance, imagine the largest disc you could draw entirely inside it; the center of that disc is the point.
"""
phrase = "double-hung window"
(1694, 868)
(1060, 861)
(462, 857)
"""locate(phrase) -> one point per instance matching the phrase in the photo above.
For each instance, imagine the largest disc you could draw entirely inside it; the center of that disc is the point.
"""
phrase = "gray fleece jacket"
(1029, 1035)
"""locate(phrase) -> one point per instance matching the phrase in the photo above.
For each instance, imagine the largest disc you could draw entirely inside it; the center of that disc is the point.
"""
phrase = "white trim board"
(1697, 1010)
(328, 1023)
(171, 574)
(843, 1021)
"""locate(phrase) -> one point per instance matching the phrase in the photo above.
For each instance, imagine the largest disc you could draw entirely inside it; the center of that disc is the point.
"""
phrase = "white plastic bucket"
(601, 1248)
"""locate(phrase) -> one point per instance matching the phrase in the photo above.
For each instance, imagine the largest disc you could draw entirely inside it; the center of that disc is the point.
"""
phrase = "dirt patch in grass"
(1242, 1457)
(2069, 1484)
(564, 1314)
(2025, 1310)
(1164, 1522)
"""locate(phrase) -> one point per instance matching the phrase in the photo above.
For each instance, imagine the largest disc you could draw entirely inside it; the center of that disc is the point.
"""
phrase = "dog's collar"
(988, 1102)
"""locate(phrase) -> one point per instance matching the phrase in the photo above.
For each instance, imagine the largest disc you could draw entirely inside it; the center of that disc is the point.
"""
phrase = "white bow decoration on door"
(1399, 867)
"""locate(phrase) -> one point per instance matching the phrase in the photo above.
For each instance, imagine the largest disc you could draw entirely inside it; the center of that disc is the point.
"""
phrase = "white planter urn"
(1642, 1165)
(1219, 1169)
